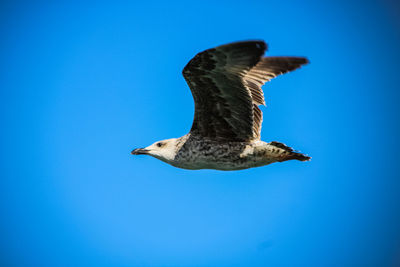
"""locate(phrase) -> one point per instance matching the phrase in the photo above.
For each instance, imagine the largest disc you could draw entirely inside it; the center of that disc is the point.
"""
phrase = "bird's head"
(164, 150)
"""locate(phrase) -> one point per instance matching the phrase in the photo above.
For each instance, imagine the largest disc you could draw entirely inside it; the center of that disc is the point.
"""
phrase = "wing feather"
(226, 86)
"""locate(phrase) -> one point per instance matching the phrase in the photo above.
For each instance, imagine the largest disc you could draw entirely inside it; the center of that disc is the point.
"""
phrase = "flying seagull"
(226, 86)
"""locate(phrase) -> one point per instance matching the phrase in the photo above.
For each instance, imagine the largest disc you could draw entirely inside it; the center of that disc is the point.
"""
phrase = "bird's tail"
(287, 153)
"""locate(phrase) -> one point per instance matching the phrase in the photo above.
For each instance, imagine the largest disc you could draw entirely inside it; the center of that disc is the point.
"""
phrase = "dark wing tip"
(295, 63)
(255, 48)
(254, 44)
(249, 51)
(299, 60)
(280, 65)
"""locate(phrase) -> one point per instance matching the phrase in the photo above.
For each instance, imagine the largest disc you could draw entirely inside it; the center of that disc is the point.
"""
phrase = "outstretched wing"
(226, 86)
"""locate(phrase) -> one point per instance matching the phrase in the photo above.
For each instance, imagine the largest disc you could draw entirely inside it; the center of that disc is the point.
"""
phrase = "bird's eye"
(159, 144)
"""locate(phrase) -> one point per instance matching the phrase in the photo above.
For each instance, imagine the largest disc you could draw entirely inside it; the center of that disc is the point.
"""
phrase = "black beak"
(140, 151)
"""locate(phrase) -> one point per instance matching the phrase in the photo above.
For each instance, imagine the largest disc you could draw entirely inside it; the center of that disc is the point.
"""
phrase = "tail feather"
(291, 153)
(299, 156)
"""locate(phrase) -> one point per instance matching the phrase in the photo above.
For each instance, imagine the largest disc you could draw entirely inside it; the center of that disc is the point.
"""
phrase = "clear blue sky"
(83, 84)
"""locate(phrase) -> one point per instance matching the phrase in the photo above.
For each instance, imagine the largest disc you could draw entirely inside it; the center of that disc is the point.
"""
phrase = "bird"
(226, 82)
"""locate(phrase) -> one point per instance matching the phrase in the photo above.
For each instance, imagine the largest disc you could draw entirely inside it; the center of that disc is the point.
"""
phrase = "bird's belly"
(232, 162)
(209, 154)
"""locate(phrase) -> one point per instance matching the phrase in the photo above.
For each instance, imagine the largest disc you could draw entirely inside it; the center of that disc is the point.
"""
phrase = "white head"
(164, 150)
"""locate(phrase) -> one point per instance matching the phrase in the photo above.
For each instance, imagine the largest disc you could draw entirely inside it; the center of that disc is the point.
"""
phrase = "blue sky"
(82, 84)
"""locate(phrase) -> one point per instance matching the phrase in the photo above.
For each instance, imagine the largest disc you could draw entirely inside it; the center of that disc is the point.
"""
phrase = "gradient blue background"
(83, 84)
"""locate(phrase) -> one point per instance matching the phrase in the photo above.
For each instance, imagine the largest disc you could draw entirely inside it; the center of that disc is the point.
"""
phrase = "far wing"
(226, 86)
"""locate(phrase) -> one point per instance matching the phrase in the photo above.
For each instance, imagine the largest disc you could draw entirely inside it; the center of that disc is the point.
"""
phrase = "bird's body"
(193, 152)
(226, 85)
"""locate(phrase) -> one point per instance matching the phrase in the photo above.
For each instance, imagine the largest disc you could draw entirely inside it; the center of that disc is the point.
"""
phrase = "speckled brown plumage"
(226, 86)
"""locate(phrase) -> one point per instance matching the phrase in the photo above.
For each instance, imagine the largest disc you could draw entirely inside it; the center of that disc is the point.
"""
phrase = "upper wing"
(226, 86)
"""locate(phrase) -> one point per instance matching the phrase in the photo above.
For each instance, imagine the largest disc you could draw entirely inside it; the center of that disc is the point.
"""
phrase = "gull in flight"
(226, 82)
